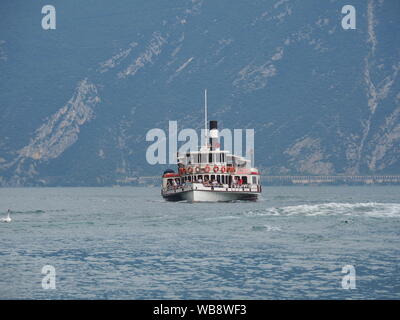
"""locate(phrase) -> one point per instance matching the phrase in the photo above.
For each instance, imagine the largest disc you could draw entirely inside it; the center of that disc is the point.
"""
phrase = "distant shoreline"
(313, 180)
(333, 180)
(266, 180)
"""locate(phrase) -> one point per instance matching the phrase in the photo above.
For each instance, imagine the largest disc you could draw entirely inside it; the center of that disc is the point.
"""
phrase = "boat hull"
(211, 196)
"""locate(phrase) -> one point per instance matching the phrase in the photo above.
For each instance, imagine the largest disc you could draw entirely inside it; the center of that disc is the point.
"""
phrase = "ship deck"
(218, 188)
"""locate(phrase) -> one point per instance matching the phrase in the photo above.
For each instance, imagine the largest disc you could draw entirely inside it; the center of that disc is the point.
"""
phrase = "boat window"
(206, 177)
(210, 157)
(254, 178)
(219, 178)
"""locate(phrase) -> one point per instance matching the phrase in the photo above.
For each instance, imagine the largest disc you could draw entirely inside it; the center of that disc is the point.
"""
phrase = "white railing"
(216, 188)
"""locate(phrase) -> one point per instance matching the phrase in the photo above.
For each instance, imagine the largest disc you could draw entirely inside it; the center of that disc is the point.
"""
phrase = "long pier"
(339, 179)
(293, 180)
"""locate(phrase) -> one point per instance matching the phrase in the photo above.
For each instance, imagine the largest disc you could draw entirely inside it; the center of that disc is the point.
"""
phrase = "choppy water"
(127, 243)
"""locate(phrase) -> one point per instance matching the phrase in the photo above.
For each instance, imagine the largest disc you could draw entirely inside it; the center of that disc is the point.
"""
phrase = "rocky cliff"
(76, 102)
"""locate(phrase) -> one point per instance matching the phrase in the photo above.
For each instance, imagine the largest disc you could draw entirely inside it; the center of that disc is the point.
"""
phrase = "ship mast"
(205, 117)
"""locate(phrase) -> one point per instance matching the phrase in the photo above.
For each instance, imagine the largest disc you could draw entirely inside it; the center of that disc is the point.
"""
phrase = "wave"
(37, 211)
(28, 211)
(266, 227)
(222, 218)
(370, 209)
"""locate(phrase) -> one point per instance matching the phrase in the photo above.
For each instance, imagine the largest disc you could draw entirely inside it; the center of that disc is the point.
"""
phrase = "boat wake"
(370, 209)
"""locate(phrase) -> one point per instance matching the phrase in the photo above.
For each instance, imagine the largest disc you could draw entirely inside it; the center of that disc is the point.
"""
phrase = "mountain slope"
(76, 102)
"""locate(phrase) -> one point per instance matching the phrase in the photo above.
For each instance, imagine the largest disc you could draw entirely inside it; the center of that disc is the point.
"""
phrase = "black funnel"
(213, 124)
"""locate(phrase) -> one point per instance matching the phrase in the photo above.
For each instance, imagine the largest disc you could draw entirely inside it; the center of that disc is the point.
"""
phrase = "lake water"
(127, 243)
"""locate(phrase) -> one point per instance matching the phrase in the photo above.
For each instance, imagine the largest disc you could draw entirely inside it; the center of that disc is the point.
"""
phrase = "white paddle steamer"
(211, 174)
